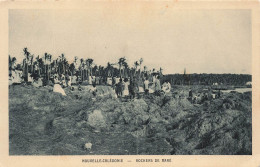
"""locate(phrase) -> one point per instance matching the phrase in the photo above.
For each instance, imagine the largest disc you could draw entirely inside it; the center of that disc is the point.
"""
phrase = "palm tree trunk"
(120, 75)
(47, 72)
(26, 73)
(81, 74)
(84, 75)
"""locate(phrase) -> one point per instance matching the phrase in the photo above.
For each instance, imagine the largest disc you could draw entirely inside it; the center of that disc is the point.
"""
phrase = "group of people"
(124, 87)
(132, 88)
(203, 96)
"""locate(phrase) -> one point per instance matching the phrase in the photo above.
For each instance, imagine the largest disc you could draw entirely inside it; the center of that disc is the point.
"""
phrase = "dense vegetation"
(46, 66)
(209, 79)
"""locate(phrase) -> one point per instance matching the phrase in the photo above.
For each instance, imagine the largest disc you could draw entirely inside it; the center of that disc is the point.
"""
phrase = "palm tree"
(81, 69)
(140, 63)
(161, 70)
(45, 65)
(126, 69)
(13, 62)
(63, 59)
(121, 63)
(145, 70)
(66, 66)
(49, 65)
(72, 69)
(136, 64)
(31, 63)
(89, 66)
(27, 55)
(36, 65)
(10, 66)
(140, 69)
(109, 69)
(47, 58)
(75, 62)
(99, 70)
(76, 67)
(95, 70)
(45, 62)
(10, 62)
(41, 66)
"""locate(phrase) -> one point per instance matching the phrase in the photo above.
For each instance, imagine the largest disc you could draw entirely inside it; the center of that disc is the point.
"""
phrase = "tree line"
(46, 66)
(209, 79)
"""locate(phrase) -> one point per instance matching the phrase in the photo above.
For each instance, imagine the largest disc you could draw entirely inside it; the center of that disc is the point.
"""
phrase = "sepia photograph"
(176, 82)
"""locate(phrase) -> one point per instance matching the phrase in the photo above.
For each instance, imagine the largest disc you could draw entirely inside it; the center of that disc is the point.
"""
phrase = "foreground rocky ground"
(42, 122)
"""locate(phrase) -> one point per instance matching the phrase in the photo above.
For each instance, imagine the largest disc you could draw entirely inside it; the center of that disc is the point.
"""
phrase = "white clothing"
(166, 87)
(151, 90)
(74, 80)
(109, 81)
(90, 80)
(125, 91)
(69, 81)
(146, 85)
(117, 80)
(141, 89)
(30, 79)
(56, 81)
(93, 89)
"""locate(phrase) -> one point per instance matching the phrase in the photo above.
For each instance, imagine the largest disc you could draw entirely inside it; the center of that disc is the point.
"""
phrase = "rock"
(142, 119)
(139, 106)
(81, 124)
(113, 117)
(154, 120)
(57, 88)
(141, 90)
(140, 132)
(60, 122)
(127, 117)
(96, 119)
(88, 146)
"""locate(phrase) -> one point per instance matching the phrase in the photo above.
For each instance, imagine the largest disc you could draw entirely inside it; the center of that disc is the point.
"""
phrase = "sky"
(202, 41)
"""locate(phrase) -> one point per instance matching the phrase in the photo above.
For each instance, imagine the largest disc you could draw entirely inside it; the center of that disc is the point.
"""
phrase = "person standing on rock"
(157, 85)
(90, 80)
(113, 82)
(119, 88)
(125, 85)
(132, 88)
(136, 88)
(94, 89)
(146, 86)
(56, 80)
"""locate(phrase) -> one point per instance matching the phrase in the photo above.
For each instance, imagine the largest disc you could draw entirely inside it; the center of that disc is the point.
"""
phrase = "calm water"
(240, 90)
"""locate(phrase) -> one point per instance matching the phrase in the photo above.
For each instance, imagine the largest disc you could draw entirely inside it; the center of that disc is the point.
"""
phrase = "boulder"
(96, 119)
(58, 89)
(88, 146)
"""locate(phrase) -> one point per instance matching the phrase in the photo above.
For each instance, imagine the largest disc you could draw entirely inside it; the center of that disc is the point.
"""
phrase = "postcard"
(130, 83)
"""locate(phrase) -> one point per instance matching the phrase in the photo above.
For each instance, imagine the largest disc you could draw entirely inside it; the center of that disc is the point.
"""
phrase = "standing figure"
(157, 85)
(113, 82)
(125, 85)
(146, 86)
(132, 89)
(119, 88)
